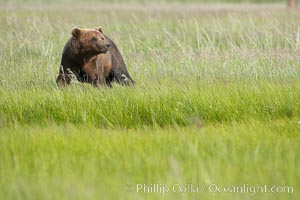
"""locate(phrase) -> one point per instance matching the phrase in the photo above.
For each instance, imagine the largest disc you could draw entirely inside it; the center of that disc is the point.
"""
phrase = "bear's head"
(89, 42)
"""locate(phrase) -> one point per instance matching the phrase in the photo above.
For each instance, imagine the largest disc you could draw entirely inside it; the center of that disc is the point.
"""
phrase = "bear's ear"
(99, 29)
(76, 32)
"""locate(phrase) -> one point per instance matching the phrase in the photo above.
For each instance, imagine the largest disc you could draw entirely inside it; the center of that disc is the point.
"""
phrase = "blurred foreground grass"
(83, 162)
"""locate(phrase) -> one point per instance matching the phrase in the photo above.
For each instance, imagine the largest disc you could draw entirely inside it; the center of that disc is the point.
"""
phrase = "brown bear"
(93, 58)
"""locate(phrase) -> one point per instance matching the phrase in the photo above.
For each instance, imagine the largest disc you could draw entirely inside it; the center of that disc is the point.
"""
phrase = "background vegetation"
(143, 1)
(216, 101)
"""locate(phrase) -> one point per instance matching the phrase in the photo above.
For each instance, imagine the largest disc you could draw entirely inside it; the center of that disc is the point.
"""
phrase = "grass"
(140, 1)
(216, 102)
(83, 162)
(137, 107)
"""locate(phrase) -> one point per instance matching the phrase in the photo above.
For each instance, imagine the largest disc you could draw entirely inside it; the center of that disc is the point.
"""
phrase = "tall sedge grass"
(135, 107)
(214, 66)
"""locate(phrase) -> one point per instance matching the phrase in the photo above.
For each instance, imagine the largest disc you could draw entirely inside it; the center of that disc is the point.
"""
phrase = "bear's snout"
(101, 48)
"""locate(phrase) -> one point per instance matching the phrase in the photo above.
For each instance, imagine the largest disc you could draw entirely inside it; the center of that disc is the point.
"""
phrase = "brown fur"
(97, 68)
(92, 41)
(93, 58)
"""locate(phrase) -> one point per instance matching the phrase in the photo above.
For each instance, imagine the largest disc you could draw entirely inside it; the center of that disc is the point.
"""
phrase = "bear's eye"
(94, 39)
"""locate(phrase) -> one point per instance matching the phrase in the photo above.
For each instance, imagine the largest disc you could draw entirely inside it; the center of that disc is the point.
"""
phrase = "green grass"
(81, 162)
(137, 107)
(217, 101)
(141, 1)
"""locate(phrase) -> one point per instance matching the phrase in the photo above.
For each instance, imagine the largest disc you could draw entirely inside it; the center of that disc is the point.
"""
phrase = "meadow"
(216, 101)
